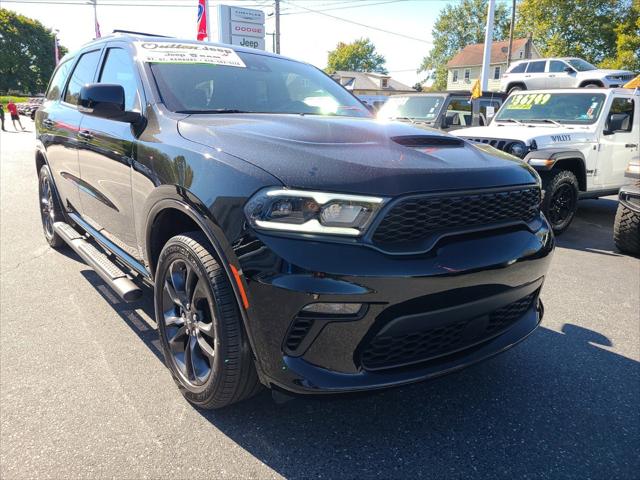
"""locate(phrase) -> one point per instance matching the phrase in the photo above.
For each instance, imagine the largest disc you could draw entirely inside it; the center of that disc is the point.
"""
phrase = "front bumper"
(463, 281)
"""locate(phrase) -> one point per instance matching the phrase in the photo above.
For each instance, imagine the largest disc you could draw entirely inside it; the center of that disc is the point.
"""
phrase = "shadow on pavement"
(557, 405)
(592, 227)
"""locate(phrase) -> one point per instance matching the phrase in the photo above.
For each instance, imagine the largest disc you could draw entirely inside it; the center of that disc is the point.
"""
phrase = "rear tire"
(200, 326)
(50, 211)
(560, 199)
(626, 230)
(516, 88)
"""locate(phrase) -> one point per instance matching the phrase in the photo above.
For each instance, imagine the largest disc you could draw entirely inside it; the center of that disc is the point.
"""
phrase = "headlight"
(311, 212)
(516, 148)
(614, 77)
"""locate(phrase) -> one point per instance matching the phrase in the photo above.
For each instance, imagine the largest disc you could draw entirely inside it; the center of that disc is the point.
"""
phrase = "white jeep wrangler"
(579, 141)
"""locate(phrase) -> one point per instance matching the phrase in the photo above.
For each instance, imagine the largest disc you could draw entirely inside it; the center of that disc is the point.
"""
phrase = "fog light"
(333, 308)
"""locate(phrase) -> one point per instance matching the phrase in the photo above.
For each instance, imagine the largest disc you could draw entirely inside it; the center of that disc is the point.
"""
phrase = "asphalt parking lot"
(84, 393)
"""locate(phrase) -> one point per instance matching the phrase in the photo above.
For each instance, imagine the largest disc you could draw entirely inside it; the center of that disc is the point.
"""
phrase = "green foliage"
(26, 53)
(580, 28)
(627, 54)
(458, 25)
(4, 99)
(358, 56)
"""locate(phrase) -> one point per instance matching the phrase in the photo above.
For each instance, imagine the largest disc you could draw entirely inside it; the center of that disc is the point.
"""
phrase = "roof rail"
(130, 32)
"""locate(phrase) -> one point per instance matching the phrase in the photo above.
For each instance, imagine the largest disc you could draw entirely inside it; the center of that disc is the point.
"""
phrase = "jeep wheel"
(200, 327)
(626, 230)
(561, 198)
(49, 207)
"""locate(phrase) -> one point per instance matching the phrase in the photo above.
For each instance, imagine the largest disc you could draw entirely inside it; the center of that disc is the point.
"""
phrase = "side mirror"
(446, 122)
(569, 70)
(616, 122)
(104, 100)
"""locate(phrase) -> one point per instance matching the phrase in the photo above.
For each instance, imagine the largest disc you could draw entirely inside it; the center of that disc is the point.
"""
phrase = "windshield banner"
(170, 52)
(525, 102)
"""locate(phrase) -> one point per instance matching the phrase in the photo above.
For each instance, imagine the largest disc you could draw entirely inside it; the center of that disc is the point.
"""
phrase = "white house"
(465, 67)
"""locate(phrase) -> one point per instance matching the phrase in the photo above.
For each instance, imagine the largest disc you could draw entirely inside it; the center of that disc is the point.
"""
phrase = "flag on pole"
(476, 91)
(97, 29)
(634, 83)
(202, 20)
(56, 50)
(95, 18)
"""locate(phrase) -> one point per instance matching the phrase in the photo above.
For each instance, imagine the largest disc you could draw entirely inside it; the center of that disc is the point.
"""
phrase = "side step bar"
(108, 271)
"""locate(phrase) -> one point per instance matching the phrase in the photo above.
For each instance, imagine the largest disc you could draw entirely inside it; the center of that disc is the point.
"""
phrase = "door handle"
(631, 145)
(85, 135)
(48, 123)
(552, 76)
(527, 76)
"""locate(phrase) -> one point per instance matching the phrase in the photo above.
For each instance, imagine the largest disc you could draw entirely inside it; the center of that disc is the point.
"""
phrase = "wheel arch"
(550, 159)
(515, 84)
(584, 83)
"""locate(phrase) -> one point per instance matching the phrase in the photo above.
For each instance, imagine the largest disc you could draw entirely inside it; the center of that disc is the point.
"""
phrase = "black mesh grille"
(415, 218)
(297, 332)
(386, 351)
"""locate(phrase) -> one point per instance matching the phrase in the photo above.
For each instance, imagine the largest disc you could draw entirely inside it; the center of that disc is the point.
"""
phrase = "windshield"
(194, 78)
(580, 65)
(424, 108)
(578, 108)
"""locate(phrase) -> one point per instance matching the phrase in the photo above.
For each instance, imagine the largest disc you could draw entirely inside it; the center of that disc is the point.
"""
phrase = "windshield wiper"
(404, 119)
(215, 110)
(510, 120)
(548, 120)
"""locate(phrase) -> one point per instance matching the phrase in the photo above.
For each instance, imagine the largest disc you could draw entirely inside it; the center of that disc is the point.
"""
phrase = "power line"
(358, 23)
(358, 5)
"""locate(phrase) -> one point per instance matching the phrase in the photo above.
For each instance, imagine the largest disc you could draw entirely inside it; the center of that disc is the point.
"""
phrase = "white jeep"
(579, 141)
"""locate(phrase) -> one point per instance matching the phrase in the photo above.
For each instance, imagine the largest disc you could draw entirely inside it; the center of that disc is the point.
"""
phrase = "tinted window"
(57, 82)
(623, 105)
(519, 68)
(557, 66)
(264, 85)
(580, 65)
(118, 69)
(82, 74)
(573, 108)
(536, 67)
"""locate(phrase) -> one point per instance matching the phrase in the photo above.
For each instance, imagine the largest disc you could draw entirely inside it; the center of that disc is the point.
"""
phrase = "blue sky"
(304, 35)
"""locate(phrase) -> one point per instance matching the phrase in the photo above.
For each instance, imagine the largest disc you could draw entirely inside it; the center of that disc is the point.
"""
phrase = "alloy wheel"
(47, 207)
(189, 322)
(562, 204)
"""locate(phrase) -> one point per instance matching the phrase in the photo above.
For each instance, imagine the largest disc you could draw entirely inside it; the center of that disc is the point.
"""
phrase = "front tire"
(626, 230)
(50, 211)
(200, 327)
(560, 199)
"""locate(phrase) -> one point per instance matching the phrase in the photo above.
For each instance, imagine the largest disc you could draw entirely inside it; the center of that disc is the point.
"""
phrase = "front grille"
(416, 218)
(387, 351)
(494, 142)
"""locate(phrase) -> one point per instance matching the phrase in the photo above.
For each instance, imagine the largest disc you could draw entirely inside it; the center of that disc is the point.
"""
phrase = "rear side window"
(520, 68)
(82, 74)
(556, 66)
(536, 67)
(58, 80)
(118, 70)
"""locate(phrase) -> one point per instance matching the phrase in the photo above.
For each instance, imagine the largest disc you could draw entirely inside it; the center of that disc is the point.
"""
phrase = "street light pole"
(277, 35)
(513, 20)
(488, 38)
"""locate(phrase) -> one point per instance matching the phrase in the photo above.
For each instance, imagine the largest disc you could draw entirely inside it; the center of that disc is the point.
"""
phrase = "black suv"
(291, 239)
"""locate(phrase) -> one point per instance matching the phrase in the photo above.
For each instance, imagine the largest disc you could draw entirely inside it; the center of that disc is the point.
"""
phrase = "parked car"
(290, 239)
(579, 141)
(445, 111)
(546, 73)
(626, 227)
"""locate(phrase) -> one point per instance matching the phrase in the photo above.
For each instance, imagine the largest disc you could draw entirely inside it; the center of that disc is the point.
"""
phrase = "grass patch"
(4, 99)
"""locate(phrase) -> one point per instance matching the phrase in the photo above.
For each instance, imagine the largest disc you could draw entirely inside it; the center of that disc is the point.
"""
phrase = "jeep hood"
(542, 134)
(355, 155)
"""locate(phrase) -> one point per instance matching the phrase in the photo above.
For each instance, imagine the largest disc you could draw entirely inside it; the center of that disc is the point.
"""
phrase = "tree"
(457, 26)
(627, 42)
(577, 28)
(358, 56)
(26, 53)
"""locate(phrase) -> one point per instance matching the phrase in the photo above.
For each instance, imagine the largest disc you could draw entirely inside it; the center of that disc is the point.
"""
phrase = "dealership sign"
(241, 26)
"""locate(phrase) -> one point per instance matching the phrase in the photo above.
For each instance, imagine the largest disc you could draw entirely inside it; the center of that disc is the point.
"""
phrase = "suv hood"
(354, 155)
(547, 135)
(603, 72)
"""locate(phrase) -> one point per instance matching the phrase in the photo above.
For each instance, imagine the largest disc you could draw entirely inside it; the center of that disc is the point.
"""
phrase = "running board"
(108, 271)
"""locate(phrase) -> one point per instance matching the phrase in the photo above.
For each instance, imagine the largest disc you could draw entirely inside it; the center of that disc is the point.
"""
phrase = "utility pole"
(277, 35)
(513, 21)
(486, 57)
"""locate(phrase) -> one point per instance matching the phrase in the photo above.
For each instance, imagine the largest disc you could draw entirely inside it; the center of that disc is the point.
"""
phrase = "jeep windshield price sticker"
(525, 102)
(153, 52)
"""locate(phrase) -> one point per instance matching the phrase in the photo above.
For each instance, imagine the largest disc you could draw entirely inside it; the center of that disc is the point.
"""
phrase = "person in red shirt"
(13, 111)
